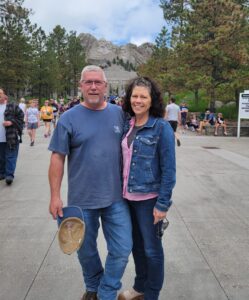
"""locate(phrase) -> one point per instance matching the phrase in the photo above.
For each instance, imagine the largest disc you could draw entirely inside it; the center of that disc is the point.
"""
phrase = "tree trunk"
(236, 96)
(196, 97)
(212, 99)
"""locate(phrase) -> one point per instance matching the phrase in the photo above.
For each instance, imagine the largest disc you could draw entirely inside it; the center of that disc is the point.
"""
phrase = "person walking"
(55, 108)
(184, 116)
(22, 105)
(89, 134)
(173, 115)
(149, 175)
(47, 116)
(11, 126)
(32, 119)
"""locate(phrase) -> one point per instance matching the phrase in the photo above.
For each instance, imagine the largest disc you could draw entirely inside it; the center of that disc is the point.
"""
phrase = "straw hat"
(71, 231)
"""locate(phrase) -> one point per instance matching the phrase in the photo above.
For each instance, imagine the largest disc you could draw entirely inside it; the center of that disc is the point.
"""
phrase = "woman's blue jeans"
(8, 158)
(147, 249)
(116, 226)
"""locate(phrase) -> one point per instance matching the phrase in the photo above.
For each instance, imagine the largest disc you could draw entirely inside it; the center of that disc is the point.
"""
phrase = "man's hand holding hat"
(55, 207)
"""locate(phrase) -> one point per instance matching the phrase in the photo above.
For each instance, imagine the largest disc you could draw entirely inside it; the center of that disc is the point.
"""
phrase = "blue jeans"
(116, 226)
(8, 158)
(147, 249)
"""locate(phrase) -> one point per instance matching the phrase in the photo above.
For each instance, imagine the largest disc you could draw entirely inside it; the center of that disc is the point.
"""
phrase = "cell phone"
(162, 226)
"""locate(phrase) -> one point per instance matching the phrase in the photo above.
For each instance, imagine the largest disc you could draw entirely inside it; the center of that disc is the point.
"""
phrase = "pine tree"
(215, 42)
(15, 50)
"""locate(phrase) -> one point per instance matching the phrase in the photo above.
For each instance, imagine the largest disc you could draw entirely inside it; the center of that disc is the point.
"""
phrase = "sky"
(118, 21)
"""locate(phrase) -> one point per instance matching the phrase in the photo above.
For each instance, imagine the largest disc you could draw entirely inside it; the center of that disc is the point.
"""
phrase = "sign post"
(243, 109)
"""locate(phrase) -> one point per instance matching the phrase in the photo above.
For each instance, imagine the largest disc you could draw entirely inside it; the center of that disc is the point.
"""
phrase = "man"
(22, 105)
(90, 135)
(173, 115)
(11, 125)
(55, 108)
(209, 119)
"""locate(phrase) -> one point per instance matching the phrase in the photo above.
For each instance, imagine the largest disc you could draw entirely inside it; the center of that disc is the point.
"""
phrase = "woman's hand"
(158, 215)
(7, 123)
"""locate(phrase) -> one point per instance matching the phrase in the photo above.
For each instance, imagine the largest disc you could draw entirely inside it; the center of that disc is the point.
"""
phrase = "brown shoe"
(130, 295)
(89, 296)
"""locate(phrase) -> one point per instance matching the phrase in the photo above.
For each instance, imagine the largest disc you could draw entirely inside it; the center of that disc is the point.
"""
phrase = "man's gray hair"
(92, 68)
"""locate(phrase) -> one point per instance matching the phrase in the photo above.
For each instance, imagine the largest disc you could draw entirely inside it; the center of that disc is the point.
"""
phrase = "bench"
(231, 130)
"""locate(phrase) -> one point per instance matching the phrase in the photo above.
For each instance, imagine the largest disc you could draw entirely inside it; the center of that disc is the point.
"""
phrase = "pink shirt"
(127, 155)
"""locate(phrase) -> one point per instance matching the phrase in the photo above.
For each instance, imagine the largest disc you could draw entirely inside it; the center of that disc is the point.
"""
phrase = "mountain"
(103, 52)
(119, 62)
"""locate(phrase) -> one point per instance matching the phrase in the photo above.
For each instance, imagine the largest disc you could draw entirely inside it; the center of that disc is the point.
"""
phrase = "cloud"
(119, 21)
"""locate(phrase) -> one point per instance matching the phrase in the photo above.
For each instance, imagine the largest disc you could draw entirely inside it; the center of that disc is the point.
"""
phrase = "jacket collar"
(149, 124)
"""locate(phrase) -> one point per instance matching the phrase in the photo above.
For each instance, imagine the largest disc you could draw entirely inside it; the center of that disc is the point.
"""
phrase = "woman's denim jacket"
(153, 167)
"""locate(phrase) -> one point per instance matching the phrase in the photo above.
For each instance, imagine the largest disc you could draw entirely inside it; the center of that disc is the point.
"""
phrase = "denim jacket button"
(135, 151)
(130, 190)
(133, 164)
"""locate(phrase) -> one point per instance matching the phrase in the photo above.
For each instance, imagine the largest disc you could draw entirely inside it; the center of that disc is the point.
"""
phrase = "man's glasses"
(162, 226)
(95, 82)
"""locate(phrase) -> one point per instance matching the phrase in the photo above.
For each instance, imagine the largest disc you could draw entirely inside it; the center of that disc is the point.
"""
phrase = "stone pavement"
(206, 244)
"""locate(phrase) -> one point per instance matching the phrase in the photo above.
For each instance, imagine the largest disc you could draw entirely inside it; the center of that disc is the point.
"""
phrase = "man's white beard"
(93, 101)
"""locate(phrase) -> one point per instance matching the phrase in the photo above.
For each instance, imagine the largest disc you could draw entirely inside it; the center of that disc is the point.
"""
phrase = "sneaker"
(215, 133)
(178, 142)
(130, 295)
(90, 296)
(225, 133)
(45, 135)
(9, 180)
(32, 143)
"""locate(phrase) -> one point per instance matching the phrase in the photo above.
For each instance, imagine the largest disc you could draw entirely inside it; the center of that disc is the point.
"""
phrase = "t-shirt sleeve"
(60, 141)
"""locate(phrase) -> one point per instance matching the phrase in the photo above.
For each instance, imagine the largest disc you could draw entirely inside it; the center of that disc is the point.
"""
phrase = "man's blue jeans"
(116, 226)
(8, 158)
(147, 249)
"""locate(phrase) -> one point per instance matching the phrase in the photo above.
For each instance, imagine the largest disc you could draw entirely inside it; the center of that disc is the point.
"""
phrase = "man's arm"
(55, 174)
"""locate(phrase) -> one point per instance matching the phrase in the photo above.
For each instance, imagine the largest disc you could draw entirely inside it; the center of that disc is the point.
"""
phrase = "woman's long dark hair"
(157, 108)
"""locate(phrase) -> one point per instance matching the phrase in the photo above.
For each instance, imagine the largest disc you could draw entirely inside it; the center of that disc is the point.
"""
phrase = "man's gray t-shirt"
(173, 112)
(91, 140)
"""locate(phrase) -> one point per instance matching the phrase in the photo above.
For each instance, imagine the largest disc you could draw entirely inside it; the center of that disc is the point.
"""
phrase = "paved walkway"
(206, 244)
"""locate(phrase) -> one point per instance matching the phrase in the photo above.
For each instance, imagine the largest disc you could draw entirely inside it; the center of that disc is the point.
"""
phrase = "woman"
(148, 180)
(32, 120)
(47, 117)
(220, 122)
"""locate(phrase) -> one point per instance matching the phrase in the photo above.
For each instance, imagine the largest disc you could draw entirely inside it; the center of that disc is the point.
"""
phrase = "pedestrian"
(32, 119)
(173, 115)
(55, 108)
(149, 175)
(89, 134)
(184, 116)
(11, 126)
(23, 105)
(47, 116)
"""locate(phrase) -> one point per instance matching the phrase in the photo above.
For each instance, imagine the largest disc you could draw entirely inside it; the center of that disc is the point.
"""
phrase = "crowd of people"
(179, 115)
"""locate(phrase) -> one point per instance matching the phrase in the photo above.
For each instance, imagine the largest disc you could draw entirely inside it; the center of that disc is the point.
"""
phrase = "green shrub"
(229, 112)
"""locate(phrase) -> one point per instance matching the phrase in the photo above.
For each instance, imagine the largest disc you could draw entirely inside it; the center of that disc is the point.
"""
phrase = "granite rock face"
(101, 51)
(114, 60)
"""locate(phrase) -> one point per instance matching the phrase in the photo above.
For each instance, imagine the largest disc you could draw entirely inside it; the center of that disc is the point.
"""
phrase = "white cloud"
(119, 21)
